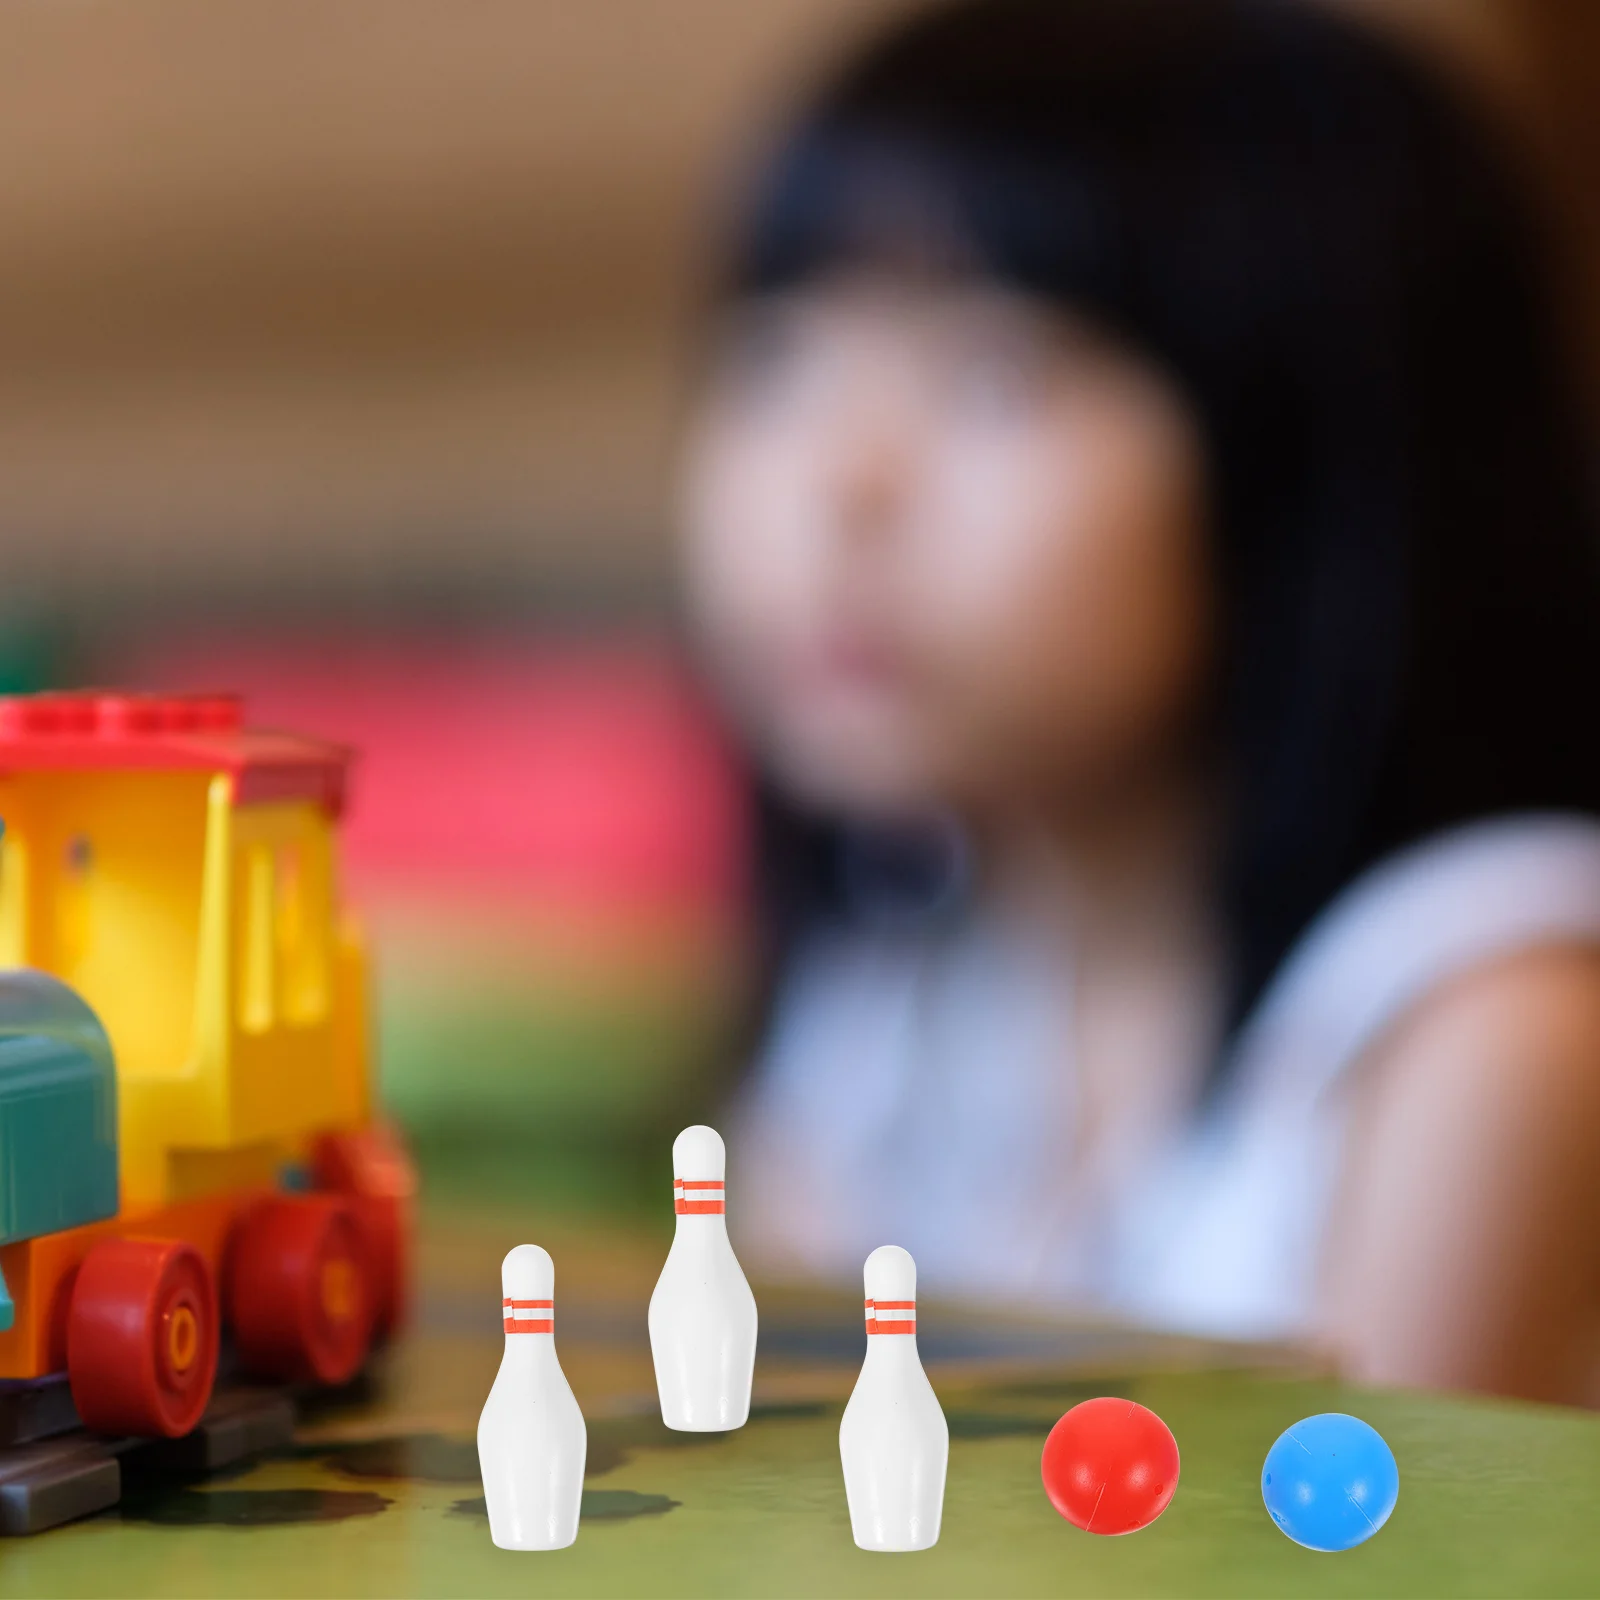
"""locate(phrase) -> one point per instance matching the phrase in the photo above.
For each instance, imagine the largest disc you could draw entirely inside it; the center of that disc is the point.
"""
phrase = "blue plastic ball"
(1330, 1482)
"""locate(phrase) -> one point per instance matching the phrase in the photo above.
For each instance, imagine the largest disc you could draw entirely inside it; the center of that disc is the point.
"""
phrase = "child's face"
(944, 547)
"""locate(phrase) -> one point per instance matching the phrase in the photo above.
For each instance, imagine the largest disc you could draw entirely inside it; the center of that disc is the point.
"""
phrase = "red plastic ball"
(1110, 1466)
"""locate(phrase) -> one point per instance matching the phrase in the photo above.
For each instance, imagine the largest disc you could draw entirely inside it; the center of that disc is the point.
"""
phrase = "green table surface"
(381, 1497)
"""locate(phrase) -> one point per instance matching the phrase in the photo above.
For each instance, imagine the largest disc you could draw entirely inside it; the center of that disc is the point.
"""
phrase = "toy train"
(188, 1147)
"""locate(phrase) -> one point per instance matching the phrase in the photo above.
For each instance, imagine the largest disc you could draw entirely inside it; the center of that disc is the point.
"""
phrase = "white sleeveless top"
(913, 1091)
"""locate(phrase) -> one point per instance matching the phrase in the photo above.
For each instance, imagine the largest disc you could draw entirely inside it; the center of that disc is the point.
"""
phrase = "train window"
(304, 910)
(287, 910)
(256, 974)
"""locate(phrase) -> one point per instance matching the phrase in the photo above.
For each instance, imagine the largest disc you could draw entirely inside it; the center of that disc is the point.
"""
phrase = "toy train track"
(51, 1474)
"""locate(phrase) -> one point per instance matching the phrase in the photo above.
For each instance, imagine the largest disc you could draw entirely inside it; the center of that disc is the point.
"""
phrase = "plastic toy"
(894, 1441)
(1330, 1482)
(1110, 1466)
(702, 1314)
(187, 1142)
(532, 1439)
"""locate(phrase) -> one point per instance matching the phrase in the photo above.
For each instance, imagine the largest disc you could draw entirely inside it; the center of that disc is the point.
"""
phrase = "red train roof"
(171, 733)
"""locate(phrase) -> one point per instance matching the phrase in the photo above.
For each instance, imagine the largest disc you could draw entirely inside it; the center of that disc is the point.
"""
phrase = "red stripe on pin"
(712, 1205)
(877, 1324)
(515, 1324)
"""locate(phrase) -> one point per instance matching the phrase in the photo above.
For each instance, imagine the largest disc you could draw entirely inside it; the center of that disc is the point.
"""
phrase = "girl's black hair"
(1327, 255)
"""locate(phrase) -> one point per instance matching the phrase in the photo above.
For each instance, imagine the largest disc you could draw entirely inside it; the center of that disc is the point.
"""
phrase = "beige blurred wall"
(345, 294)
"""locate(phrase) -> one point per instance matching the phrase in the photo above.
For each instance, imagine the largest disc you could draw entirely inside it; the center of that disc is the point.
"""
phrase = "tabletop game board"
(379, 1495)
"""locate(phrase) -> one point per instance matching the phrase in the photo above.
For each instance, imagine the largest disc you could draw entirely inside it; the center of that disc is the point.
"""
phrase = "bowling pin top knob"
(890, 1276)
(528, 1288)
(699, 1165)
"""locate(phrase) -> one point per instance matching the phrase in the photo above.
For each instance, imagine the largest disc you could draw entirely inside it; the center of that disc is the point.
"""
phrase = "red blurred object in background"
(1110, 1466)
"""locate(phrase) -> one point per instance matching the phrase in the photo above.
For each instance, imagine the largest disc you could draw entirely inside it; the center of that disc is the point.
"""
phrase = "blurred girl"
(1136, 518)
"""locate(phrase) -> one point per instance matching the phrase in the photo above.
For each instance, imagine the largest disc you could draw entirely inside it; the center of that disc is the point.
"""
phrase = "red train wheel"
(372, 1167)
(142, 1337)
(300, 1290)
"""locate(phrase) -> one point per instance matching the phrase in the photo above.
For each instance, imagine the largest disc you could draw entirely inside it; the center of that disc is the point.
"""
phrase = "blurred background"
(341, 350)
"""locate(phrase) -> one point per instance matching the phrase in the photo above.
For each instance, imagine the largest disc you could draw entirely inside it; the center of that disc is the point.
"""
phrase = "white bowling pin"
(893, 1441)
(702, 1314)
(531, 1437)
